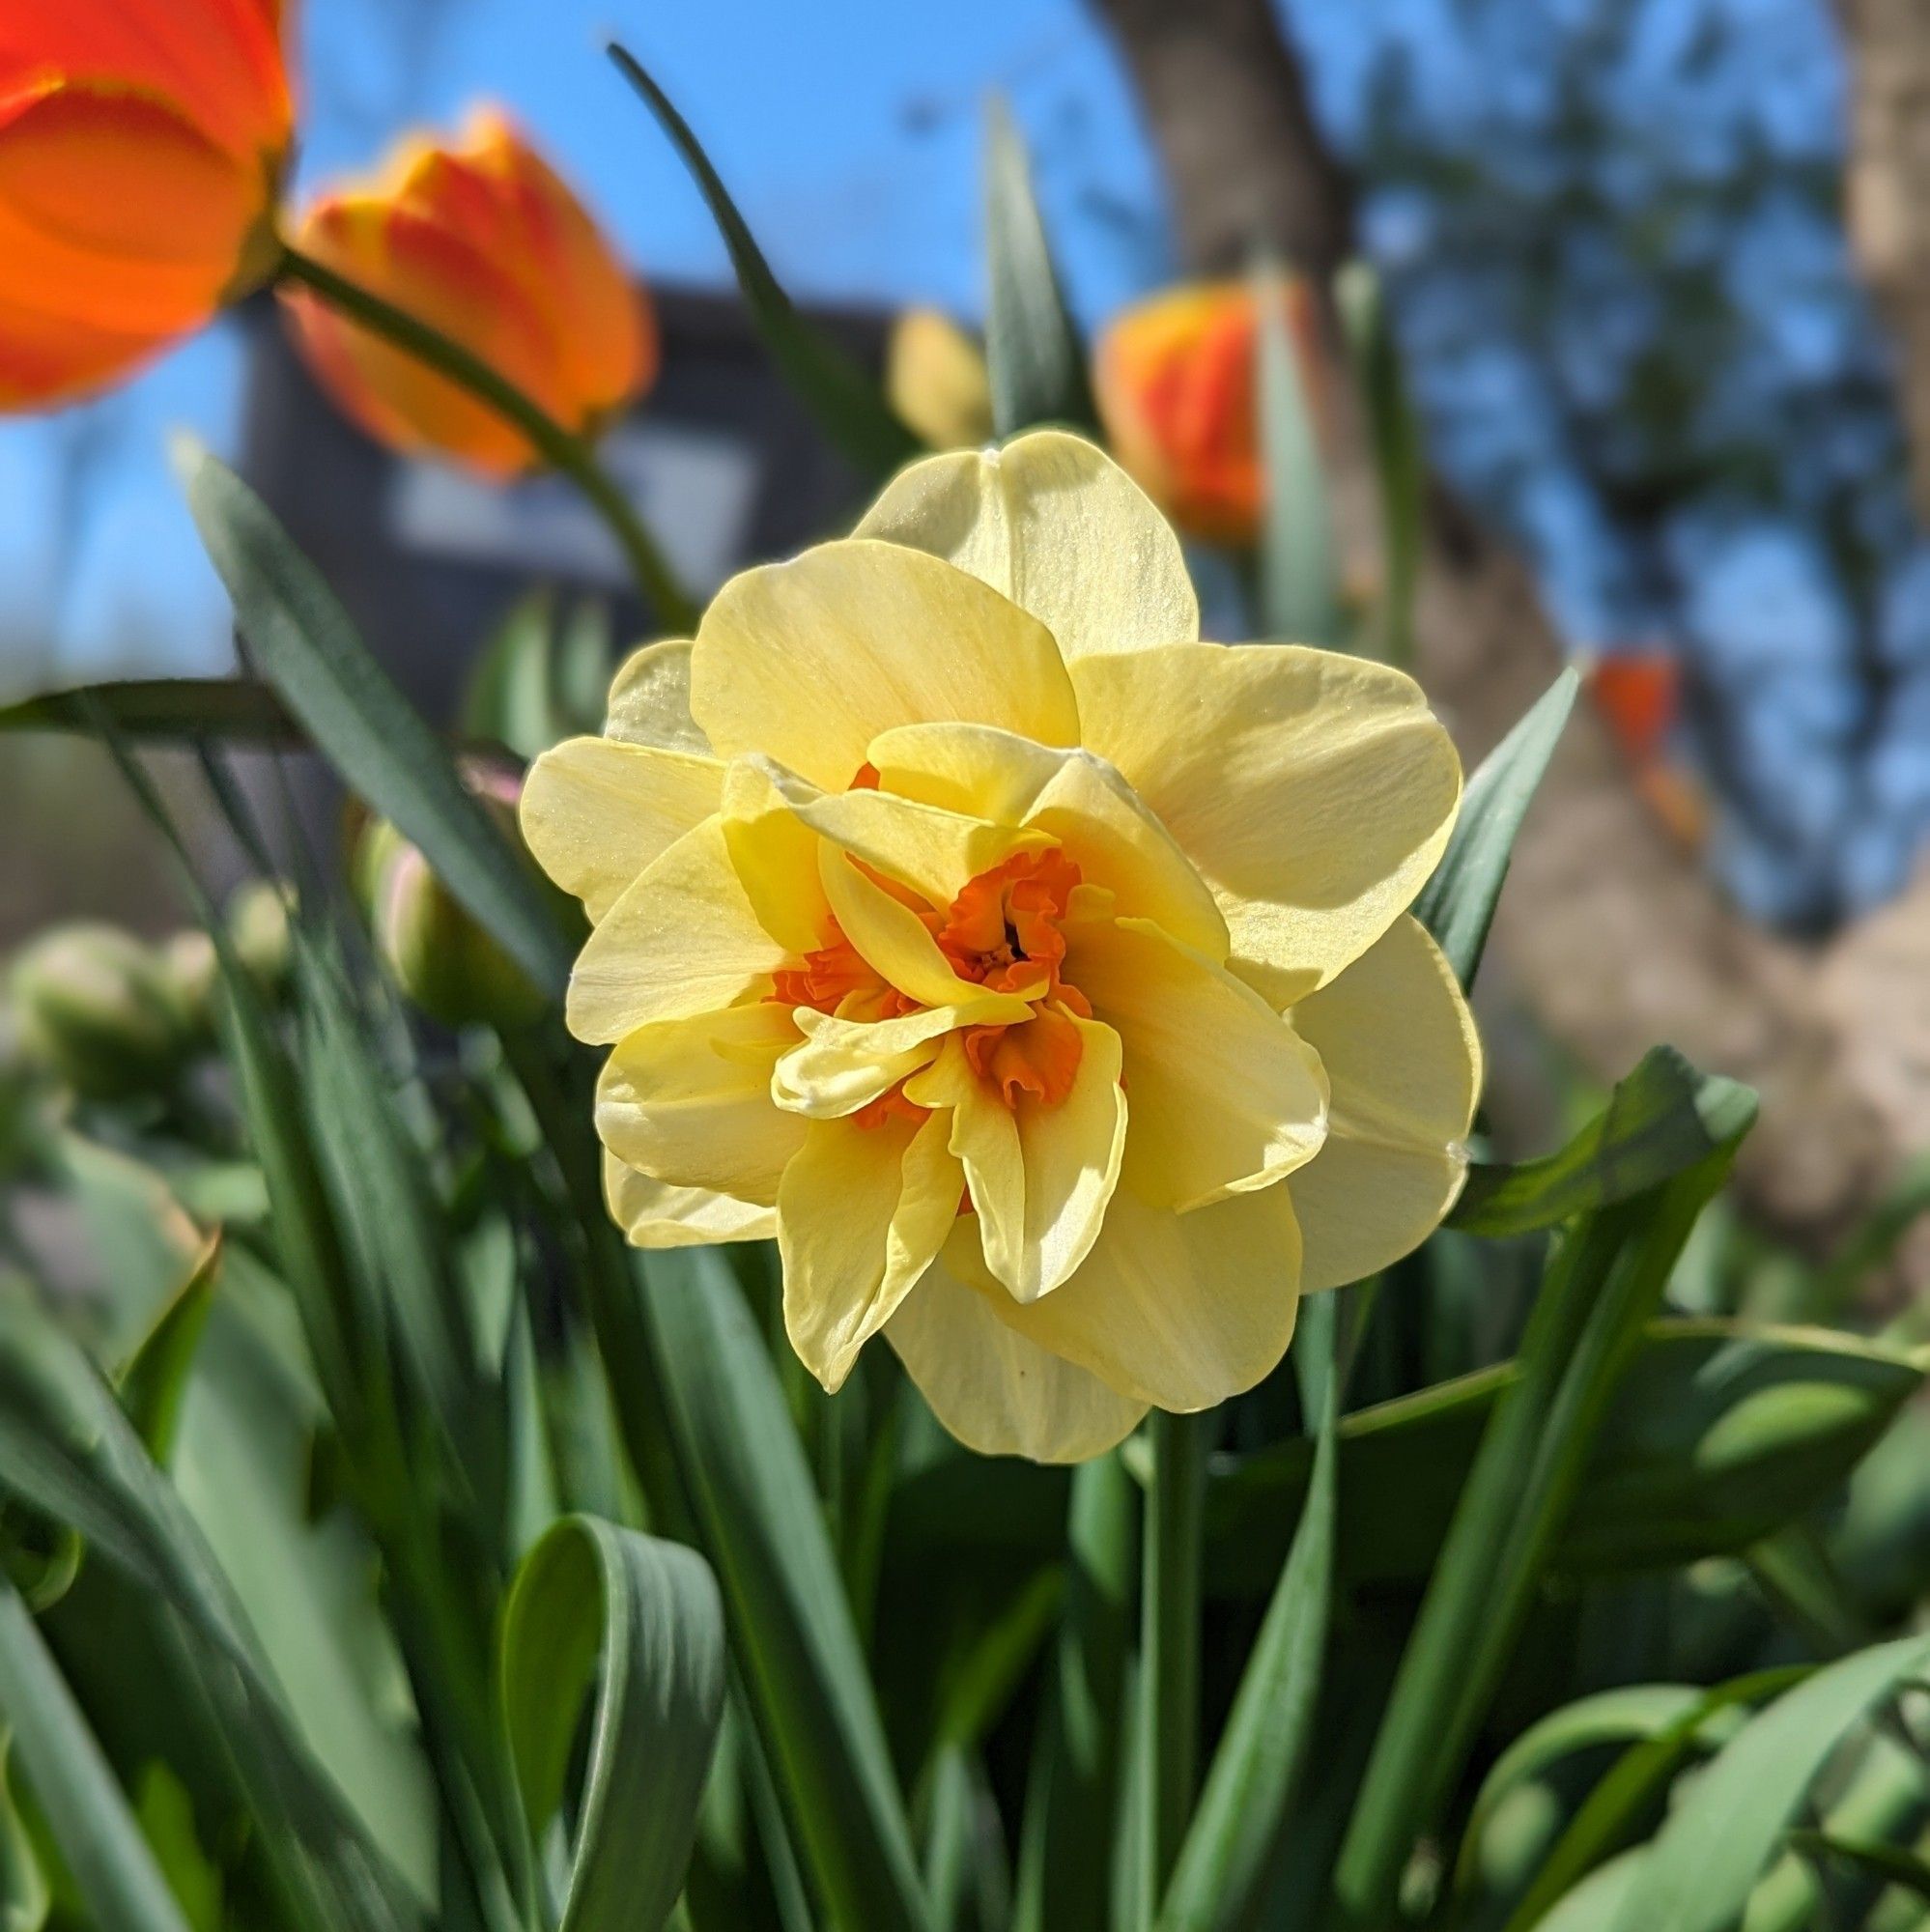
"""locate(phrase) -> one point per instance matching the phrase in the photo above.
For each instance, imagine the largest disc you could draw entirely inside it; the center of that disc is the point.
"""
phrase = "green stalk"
(1168, 1702)
(561, 449)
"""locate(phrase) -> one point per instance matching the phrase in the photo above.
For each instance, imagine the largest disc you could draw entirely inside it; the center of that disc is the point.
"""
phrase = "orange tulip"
(1176, 381)
(481, 241)
(142, 143)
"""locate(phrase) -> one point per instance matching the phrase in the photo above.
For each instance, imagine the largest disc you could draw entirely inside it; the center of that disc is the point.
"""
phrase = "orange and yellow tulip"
(481, 241)
(142, 144)
(1176, 382)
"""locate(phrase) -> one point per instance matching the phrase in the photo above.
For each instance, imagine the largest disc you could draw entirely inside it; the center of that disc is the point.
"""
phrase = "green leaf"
(154, 1379)
(1599, 1290)
(1890, 1864)
(1299, 587)
(25, 1896)
(1630, 1714)
(85, 1809)
(1652, 1128)
(1230, 1845)
(1072, 1799)
(1611, 1815)
(67, 1449)
(1718, 1434)
(639, 1619)
(1457, 905)
(1400, 464)
(306, 646)
(1717, 1842)
(1033, 354)
(848, 405)
(759, 1522)
(233, 710)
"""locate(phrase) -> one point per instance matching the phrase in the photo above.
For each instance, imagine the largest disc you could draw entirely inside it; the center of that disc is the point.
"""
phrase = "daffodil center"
(1002, 932)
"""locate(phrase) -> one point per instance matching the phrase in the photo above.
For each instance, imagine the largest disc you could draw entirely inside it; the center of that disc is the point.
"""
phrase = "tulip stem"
(1169, 1680)
(561, 449)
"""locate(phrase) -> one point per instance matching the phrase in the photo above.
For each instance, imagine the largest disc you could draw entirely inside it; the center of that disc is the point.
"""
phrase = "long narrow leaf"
(306, 646)
(1229, 1847)
(1299, 577)
(1032, 355)
(177, 710)
(849, 406)
(1706, 1862)
(85, 1809)
(67, 1449)
(760, 1525)
(1651, 1129)
(642, 1619)
(1457, 905)
(1600, 1290)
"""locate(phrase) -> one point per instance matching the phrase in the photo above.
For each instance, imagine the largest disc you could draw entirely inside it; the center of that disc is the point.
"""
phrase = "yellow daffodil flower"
(1039, 975)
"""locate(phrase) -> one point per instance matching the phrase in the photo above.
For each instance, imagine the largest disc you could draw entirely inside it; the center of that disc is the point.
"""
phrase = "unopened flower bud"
(936, 380)
(94, 1005)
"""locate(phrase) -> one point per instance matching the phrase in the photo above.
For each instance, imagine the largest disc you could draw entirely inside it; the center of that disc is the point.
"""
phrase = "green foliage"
(849, 406)
(1300, 570)
(1033, 357)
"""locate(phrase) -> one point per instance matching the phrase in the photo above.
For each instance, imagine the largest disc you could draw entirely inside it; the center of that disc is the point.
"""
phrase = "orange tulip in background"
(1176, 381)
(1639, 698)
(483, 241)
(142, 145)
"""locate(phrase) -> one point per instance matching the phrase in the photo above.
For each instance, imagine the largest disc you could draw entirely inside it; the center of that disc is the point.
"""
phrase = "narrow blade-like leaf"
(306, 646)
(1299, 582)
(1228, 1856)
(230, 710)
(1032, 354)
(849, 406)
(1457, 905)
(640, 1619)
(760, 1521)
(85, 1809)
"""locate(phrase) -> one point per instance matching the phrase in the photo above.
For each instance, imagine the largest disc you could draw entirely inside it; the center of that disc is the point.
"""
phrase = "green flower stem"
(1169, 1700)
(559, 447)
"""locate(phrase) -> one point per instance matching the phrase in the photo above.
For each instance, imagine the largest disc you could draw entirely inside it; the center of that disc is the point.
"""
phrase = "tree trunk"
(1611, 932)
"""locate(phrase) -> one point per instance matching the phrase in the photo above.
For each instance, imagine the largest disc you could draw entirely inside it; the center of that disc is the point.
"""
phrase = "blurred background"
(1653, 269)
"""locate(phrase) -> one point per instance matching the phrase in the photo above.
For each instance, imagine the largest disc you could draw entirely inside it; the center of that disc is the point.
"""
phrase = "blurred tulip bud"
(192, 973)
(257, 919)
(142, 144)
(1639, 697)
(442, 960)
(1176, 382)
(935, 379)
(481, 241)
(93, 1005)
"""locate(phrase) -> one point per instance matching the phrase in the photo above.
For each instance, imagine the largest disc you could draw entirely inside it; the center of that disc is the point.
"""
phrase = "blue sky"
(848, 129)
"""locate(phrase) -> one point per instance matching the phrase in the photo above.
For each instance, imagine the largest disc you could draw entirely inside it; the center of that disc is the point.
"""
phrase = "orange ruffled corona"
(142, 144)
(482, 240)
(1176, 381)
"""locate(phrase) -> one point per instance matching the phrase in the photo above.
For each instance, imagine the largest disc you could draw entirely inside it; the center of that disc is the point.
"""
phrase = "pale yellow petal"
(1076, 799)
(843, 1064)
(682, 940)
(1315, 792)
(1405, 1063)
(654, 1214)
(775, 855)
(1058, 526)
(1040, 1174)
(994, 1390)
(895, 942)
(1177, 1309)
(650, 700)
(808, 661)
(1226, 1097)
(690, 1101)
(933, 851)
(595, 811)
(862, 1213)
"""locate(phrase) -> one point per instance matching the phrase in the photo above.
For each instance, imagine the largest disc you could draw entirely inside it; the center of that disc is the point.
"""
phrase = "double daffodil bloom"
(1039, 975)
